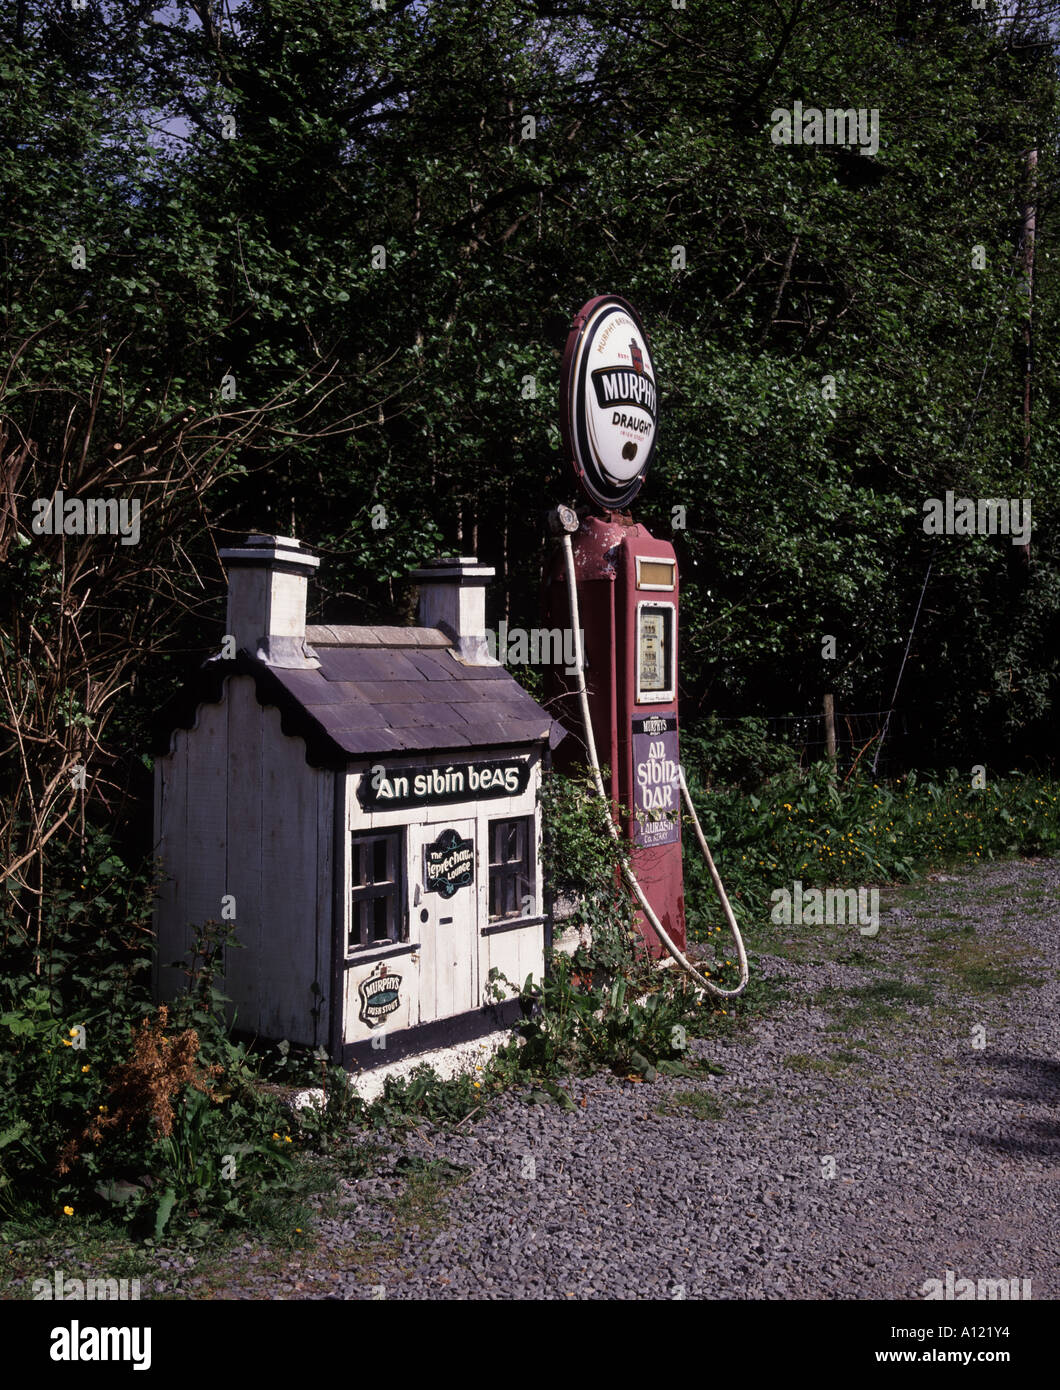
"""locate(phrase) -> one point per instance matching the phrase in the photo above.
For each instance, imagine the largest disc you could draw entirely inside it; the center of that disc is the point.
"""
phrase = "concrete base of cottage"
(447, 1062)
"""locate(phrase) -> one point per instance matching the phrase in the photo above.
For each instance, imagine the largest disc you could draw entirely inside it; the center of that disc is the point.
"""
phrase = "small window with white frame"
(377, 909)
(511, 881)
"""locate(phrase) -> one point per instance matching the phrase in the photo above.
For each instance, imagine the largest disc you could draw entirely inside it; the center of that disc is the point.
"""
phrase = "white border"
(657, 697)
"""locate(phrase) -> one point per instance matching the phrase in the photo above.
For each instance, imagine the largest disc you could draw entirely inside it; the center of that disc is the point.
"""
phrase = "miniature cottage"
(362, 804)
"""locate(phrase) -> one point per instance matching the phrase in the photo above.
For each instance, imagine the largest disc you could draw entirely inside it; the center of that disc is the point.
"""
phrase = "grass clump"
(696, 1105)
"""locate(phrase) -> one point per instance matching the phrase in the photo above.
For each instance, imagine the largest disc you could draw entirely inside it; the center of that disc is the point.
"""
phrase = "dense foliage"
(808, 827)
(329, 261)
(308, 268)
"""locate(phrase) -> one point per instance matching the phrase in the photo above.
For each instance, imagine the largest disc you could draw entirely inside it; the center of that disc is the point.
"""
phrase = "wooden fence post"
(829, 726)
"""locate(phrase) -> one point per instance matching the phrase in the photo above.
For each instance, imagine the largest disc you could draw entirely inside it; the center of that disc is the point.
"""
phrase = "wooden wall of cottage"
(240, 815)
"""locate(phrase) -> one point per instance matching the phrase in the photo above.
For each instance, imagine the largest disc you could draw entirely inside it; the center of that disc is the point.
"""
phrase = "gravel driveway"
(894, 1118)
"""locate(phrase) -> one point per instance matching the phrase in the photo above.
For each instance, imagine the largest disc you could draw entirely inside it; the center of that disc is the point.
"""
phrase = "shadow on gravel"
(1024, 1145)
(1035, 1081)
(1033, 1078)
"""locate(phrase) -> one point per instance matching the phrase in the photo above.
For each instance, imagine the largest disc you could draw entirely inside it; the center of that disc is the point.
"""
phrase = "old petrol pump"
(618, 586)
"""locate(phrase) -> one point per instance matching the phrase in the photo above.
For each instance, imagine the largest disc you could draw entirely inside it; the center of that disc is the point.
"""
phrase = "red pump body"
(628, 607)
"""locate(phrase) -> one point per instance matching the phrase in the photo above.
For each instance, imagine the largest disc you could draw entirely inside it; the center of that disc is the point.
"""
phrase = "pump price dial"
(653, 675)
(608, 402)
(656, 666)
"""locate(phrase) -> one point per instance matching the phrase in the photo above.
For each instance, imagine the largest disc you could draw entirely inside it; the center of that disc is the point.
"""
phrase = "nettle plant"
(572, 1027)
(604, 1005)
(583, 863)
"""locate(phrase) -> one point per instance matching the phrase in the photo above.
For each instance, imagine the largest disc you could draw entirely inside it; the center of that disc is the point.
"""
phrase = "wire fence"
(857, 737)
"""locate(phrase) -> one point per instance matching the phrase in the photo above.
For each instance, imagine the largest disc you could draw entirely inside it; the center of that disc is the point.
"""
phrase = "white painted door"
(443, 892)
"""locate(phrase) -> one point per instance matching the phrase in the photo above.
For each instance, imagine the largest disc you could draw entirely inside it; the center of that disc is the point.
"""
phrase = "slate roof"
(378, 690)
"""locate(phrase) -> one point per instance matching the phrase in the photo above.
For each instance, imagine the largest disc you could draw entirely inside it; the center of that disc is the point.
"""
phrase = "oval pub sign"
(608, 403)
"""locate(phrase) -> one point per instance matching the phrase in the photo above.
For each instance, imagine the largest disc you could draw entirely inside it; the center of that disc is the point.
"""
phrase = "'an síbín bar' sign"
(656, 781)
(384, 788)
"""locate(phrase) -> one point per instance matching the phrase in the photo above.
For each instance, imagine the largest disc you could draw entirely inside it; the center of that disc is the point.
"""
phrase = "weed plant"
(811, 827)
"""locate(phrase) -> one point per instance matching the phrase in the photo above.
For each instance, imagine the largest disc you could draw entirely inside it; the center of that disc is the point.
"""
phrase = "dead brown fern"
(145, 1086)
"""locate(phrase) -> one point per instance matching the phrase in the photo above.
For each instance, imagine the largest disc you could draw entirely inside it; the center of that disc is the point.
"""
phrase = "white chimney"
(453, 598)
(268, 577)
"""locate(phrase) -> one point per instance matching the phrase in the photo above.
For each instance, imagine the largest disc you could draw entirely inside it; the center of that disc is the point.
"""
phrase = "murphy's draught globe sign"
(608, 402)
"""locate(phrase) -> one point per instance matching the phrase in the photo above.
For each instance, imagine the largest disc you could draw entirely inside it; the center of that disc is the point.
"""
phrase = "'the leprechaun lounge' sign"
(449, 864)
(384, 788)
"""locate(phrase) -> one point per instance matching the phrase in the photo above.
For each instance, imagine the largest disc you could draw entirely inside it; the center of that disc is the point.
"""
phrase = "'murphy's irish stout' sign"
(608, 402)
